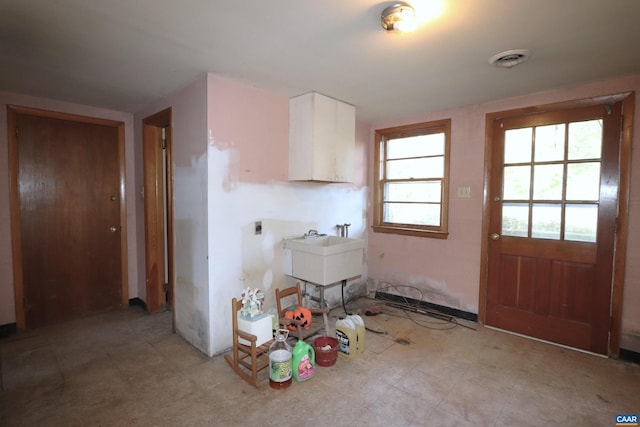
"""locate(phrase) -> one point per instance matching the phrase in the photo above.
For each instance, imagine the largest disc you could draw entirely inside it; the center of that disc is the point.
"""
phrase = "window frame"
(381, 136)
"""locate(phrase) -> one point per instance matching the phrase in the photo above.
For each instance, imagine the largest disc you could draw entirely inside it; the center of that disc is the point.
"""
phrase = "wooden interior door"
(554, 201)
(69, 194)
(158, 211)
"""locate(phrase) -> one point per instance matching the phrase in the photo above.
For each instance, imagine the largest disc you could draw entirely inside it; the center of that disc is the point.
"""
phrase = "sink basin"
(323, 260)
(324, 245)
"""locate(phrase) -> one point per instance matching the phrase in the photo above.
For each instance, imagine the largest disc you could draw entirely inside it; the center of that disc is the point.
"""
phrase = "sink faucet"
(343, 229)
(311, 233)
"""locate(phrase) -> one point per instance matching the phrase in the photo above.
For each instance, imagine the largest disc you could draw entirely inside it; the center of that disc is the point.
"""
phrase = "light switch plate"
(464, 192)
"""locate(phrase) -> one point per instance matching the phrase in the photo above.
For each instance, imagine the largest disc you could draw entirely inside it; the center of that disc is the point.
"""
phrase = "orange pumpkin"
(299, 313)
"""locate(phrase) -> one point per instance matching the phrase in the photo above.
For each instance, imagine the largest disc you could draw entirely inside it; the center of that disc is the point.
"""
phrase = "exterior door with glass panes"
(554, 197)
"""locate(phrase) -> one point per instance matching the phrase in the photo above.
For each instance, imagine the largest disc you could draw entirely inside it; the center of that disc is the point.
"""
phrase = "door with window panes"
(554, 196)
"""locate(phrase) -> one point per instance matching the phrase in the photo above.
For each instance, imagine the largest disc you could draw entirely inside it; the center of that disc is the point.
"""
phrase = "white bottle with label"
(347, 337)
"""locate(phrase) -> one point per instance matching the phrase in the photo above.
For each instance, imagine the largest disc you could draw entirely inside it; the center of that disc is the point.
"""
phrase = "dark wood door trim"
(628, 101)
(14, 199)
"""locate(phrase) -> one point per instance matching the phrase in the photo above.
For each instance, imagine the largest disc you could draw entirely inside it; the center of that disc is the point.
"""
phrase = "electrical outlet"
(258, 227)
(464, 192)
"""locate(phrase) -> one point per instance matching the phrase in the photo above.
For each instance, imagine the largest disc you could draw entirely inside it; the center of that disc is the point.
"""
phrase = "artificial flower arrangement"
(252, 303)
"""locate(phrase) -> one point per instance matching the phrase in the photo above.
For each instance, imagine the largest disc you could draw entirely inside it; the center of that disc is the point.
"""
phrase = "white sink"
(324, 245)
(323, 260)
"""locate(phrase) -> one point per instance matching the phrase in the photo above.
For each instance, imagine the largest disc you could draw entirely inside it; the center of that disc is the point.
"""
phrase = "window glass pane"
(581, 223)
(585, 140)
(583, 181)
(411, 176)
(545, 221)
(412, 213)
(413, 191)
(416, 146)
(516, 182)
(515, 219)
(549, 143)
(547, 182)
(427, 167)
(517, 145)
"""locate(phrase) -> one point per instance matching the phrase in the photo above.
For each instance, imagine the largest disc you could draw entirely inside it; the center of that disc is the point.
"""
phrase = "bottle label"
(343, 340)
(305, 368)
(280, 367)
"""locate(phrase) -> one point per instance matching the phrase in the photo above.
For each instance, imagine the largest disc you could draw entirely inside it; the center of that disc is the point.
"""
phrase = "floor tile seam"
(466, 413)
(65, 381)
(405, 392)
(501, 412)
(369, 406)
(544, 410)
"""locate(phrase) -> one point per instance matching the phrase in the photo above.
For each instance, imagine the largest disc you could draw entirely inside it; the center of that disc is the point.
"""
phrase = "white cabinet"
(321, 139)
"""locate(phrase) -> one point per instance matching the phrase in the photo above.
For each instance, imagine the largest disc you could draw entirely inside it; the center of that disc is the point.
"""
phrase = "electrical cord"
(408, 307)
(441, 321)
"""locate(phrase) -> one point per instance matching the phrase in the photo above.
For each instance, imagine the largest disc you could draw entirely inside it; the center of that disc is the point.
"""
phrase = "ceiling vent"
(509, 58)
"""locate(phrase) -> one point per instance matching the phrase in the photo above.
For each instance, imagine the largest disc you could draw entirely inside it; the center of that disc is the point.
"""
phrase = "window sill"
(410, 231)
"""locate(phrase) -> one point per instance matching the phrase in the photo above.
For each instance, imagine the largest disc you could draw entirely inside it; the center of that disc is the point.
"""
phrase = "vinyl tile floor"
(126, 368)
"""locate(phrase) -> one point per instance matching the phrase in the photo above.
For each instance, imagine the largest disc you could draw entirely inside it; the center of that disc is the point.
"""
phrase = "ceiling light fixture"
(509, 58)
(399, 17)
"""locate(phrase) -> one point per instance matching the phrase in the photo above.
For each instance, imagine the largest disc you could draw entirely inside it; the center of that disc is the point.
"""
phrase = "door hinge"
(163, 140)
(165, 287)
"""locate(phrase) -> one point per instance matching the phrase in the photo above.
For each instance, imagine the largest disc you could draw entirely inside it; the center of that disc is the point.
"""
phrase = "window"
(412, 179)
(551, 181)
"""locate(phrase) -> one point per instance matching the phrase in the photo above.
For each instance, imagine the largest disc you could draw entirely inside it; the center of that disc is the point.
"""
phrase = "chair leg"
(254, 364)
(253, 380)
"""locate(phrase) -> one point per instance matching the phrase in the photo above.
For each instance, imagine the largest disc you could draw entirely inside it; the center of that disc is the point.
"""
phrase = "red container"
(326, 357)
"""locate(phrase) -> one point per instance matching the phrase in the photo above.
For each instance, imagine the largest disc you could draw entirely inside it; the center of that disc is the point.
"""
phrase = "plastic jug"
(304, 360)
(280, 362)
(347, 337)
(360, 332)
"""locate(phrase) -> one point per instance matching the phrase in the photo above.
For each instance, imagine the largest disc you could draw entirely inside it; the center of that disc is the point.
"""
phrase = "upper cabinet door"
(321, 139)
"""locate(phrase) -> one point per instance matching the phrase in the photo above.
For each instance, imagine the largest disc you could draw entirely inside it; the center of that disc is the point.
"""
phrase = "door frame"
(620, 245)
(14, 199)
(156, 210)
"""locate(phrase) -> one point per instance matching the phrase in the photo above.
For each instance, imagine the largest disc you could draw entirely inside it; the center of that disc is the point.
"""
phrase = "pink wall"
(252, 122)
(448, 271)
(7, 306)
(260, 133)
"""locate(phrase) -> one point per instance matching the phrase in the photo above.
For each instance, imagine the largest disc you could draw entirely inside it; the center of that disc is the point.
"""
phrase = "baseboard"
(137, 302)
(629, 355)
(460, 314)
(8, 330)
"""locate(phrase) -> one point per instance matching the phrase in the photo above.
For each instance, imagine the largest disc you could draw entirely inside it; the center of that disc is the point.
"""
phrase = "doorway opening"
(158, 212)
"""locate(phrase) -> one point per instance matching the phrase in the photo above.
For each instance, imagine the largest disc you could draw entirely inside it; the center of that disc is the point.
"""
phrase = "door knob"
(495, 236)
(113, 229)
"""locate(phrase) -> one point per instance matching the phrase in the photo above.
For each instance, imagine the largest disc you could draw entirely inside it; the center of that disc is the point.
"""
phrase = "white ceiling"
(123, 54)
